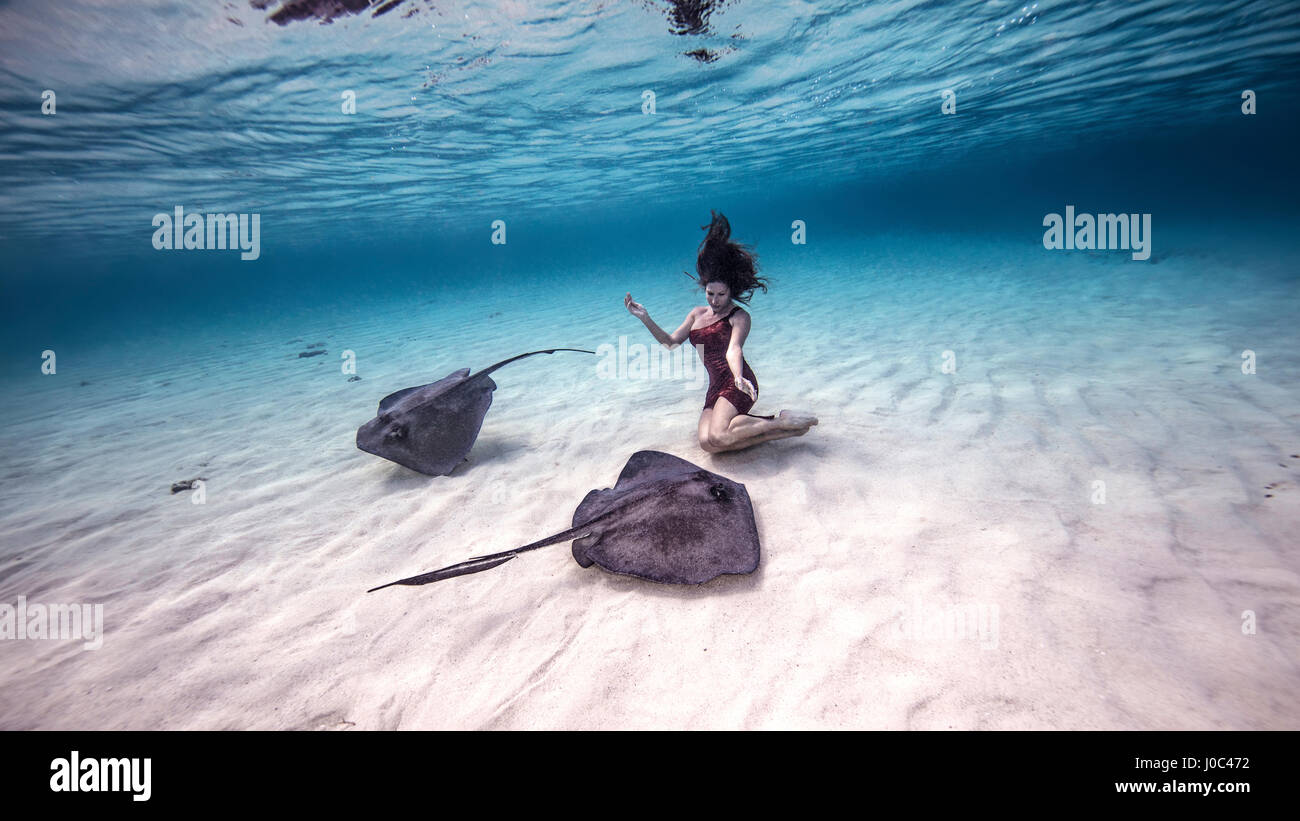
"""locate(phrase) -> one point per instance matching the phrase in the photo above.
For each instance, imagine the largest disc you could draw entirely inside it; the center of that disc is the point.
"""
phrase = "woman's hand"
(634, 308)
(746, 387)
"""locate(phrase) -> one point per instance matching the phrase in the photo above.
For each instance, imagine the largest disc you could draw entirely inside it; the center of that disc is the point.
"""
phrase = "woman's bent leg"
(730, 430)
(703, 430)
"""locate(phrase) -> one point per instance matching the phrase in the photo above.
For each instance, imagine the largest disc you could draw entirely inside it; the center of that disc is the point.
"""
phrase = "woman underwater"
(728, 273)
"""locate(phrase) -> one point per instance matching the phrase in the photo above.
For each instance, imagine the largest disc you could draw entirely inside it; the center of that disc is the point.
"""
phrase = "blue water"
(532, 114)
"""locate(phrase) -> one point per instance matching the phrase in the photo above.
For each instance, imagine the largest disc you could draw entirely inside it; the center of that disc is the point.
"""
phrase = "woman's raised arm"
(672, 340)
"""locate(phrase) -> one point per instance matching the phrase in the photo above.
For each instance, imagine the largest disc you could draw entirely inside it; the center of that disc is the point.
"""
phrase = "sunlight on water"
(467, 110)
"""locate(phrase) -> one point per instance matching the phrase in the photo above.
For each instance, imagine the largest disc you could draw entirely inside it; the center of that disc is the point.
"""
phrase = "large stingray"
(431, 428)
(665, 519)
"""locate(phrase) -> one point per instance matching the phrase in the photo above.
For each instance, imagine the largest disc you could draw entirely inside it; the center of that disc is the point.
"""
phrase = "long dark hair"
(732, 264)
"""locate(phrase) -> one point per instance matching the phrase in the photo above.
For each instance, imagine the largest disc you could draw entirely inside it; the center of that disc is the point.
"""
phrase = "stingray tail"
(504, 362)
(480, 563)
(462, 569)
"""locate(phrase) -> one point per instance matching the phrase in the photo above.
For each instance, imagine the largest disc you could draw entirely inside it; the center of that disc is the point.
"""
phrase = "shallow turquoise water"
(535, 115)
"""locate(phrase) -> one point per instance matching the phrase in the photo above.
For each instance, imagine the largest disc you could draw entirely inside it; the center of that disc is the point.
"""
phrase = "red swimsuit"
(716, 338)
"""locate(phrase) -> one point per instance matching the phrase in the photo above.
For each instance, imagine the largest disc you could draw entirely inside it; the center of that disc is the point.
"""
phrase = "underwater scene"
(908, 365)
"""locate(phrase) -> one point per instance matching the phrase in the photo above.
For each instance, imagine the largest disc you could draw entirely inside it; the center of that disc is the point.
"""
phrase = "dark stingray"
(665, 520)
(431, 428)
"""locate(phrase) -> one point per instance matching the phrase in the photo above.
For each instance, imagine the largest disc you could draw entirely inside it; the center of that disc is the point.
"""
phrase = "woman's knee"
(717, 440)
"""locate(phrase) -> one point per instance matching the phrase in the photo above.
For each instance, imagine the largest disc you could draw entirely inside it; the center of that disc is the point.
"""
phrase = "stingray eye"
(720, 492)
(397, 432)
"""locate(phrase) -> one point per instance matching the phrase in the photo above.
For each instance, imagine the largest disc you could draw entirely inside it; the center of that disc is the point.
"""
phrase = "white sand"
(920, 494)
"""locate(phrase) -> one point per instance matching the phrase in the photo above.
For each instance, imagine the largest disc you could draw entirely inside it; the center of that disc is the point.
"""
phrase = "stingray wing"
(648, 465)
(665, 520)
(669, 521)
(386, 404)
(430, 428)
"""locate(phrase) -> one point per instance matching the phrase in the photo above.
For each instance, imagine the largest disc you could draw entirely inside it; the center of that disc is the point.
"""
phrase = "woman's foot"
(795, 420)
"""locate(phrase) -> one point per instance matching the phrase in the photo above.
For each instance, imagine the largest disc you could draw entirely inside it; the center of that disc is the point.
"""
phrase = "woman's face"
(718, 295)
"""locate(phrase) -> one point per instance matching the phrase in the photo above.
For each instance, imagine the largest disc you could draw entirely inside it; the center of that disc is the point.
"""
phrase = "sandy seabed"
(1072, 529)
